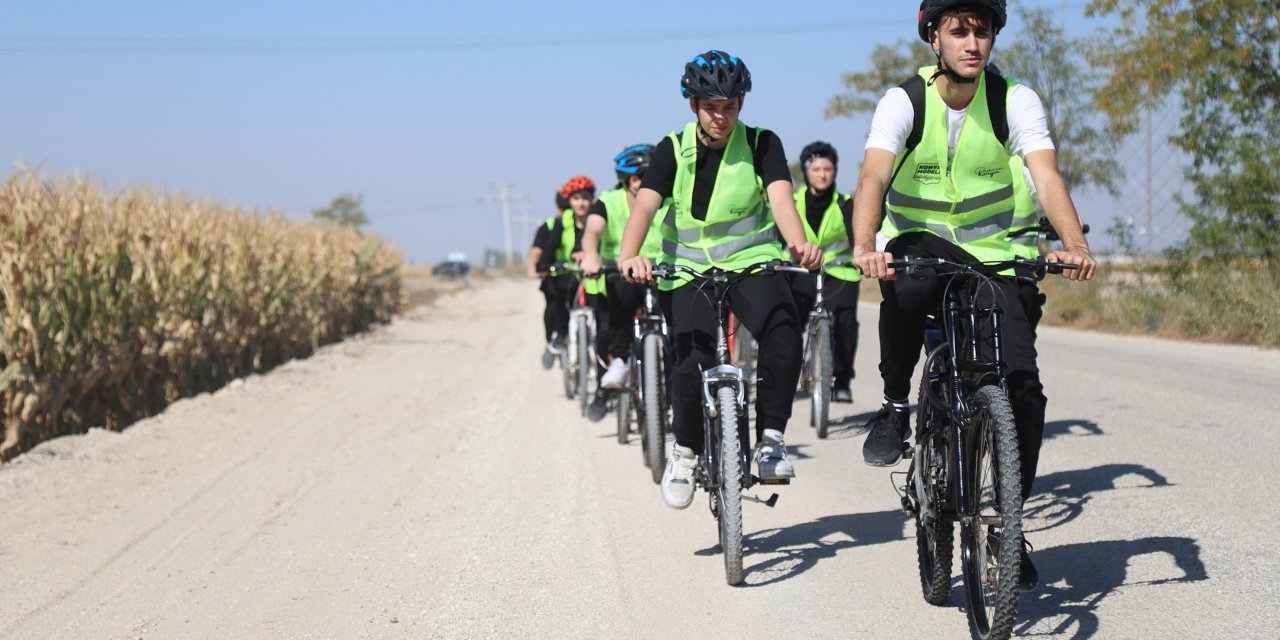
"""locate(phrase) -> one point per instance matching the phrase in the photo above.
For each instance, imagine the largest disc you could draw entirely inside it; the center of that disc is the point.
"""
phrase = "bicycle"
(648, 390)
(815, 375)
(724, 466)
(577, 359)
(964, 462)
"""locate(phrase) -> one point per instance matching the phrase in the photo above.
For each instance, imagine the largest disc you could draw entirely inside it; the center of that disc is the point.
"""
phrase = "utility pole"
(526, 221)
(506, 197)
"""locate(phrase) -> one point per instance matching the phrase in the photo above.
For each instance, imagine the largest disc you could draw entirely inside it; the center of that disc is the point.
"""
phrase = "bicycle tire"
(655, 407)
(935, 540)
(991, 608)
(729, 489)
(820, 393)
(567, 370)
(585, 364)
(624, 415)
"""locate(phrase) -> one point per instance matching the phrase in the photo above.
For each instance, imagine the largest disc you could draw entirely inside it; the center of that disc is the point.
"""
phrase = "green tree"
(346, 210)
(889, 66)
(1041, 56)
(1218, 60)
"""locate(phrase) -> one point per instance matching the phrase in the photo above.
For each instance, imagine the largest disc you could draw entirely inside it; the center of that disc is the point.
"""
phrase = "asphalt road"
(429, 481)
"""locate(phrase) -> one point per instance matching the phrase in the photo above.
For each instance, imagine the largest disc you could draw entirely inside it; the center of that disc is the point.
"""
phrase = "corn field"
(117, 303)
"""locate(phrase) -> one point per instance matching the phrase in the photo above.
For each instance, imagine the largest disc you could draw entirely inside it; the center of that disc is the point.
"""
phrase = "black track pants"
(765, 305)
(559, 293)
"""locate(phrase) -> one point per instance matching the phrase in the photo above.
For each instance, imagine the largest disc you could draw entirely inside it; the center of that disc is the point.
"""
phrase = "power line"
(70, 45)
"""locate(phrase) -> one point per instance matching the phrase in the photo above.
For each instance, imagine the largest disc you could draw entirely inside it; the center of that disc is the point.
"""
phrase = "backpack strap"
(997, 103)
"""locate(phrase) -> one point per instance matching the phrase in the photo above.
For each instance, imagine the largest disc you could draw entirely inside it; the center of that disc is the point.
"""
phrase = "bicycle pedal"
(773, 481)
(907, 450)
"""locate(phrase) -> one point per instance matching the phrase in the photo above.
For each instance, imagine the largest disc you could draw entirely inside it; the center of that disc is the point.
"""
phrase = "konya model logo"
(987, 173)
(928, 173)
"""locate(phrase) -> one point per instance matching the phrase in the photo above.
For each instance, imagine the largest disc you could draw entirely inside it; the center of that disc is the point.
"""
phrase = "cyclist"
(563, 243)
(951, 196)
(724, 178)
(828, 218)
(600, 242)
(555, 320)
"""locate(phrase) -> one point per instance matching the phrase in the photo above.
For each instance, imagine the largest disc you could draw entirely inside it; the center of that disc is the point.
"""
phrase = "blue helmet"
(715, 75)
(633, 161)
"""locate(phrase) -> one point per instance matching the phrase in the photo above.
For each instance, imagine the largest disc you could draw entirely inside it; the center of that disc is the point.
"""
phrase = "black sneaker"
(889, 429)
(548, 357)
(1028, 577)
(599, 406)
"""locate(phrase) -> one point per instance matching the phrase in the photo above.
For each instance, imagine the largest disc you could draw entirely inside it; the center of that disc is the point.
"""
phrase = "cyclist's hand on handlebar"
(875, 264)
(637, 270)
(807, 255)
(1075, 256)
(590, 264)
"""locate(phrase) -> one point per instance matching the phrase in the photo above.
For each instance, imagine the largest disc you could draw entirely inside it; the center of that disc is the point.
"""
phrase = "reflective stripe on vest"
(738, 230)
(831, 235)
(971, 201)
(1024, 213)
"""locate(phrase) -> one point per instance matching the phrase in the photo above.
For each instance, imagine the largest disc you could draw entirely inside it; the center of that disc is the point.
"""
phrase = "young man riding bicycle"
(601, 240)
(951, 195)
(563, 243)
(719, 174)
(828, 220)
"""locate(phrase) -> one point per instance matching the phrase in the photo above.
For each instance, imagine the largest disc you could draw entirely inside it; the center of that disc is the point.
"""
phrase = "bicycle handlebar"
(1039, 267)
(1043, 227)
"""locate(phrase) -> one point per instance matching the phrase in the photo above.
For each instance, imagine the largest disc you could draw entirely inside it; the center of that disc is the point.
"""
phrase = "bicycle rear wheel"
(729, 489)
(624, 415)
(927, 483)
(655, 407)
(991, 541)
(820, 386)
(585, 364)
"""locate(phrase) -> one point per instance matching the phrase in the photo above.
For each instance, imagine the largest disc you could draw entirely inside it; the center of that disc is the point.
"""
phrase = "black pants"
(908, 299)
(559, 292)
(765, 306)
(624, 301)
(841, 299)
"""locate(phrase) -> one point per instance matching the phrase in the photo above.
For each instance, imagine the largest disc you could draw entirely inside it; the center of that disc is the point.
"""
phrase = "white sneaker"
(677, 480)
(771, 457)
(617, 376)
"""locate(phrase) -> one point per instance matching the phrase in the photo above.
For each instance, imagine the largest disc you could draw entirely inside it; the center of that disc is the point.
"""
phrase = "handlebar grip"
(1059, 267)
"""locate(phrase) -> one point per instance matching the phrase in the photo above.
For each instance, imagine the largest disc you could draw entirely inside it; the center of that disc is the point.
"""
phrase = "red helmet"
(576, 184)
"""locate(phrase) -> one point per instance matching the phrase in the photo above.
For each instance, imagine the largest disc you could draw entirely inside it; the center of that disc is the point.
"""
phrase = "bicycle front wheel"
(820, 391)
(729, 490)
(655, 407)
(991, 540)
(585, 364)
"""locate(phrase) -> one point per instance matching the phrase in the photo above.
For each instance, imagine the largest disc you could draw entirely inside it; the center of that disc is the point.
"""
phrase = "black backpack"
(997, 93)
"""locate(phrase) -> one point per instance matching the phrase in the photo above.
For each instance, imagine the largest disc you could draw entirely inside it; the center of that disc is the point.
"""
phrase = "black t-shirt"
(598, 209)
(769, 158)
(540, 236)
(816, 205)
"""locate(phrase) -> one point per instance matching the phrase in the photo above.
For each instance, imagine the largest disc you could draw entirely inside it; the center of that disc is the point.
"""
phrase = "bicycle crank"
(773, 499)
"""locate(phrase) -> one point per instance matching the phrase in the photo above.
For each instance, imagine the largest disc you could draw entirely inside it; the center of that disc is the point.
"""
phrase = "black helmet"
(931, 9)
(633, 161)
(715, 75)
(818, 149)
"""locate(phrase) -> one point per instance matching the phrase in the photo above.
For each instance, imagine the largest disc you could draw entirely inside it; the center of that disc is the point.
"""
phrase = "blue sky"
(420, 106)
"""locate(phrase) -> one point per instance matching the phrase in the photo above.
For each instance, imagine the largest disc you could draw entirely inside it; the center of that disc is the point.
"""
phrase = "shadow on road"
(1059, 498)
(1075, 578)
(848, 426)
(1074, 427)
(781, 554)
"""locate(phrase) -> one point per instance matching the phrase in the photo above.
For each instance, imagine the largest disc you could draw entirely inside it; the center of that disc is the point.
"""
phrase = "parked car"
(451, 269)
